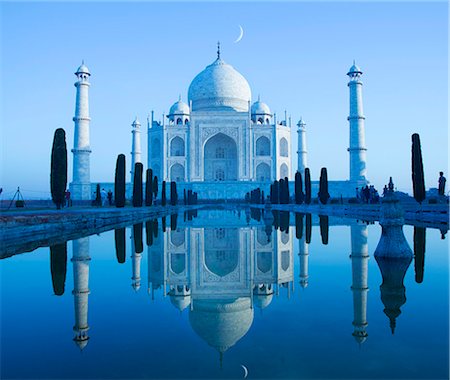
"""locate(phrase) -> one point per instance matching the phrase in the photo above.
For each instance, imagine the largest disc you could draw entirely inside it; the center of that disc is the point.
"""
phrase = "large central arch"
(220, 159)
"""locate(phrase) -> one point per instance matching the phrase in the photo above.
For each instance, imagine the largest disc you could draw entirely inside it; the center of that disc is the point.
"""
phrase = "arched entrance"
(220, 159)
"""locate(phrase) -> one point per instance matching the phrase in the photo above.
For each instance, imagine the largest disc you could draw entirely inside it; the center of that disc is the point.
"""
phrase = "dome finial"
(259, 97)
(218, 49)
(179, 97)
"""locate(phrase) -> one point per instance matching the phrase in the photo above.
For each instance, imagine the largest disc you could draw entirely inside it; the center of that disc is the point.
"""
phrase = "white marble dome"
(221, 323)
(219, 87)
(260, 108)
(83, 70)
(179, 108)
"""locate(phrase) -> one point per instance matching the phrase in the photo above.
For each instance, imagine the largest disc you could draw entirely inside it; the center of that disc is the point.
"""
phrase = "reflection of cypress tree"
(149, 233)
(308, 228)
(298, 225)
(58, 267)
(119, 238)
(284, 221)
(155, 228)
(323, 220)
(173, 222)
(419, 252)
(276, 219)
(137, 234)
(163, 222)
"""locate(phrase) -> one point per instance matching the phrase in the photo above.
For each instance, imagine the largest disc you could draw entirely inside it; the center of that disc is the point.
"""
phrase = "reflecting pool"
(228, 294)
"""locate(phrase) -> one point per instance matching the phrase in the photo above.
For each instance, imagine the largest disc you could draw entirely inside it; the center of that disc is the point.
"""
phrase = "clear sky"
(142, 55)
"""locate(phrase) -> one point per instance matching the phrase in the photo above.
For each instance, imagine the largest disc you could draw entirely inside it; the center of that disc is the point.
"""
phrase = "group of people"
(367, 194)
(105, 196)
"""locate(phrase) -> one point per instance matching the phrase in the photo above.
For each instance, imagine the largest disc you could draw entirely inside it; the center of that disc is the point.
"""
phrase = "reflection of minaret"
(360, 258)
(136, 264)
(80, 260)
(303, 256)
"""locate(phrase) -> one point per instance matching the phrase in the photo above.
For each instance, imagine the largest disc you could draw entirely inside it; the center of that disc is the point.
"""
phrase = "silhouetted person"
(442, 181)
(109, 197)
(68, 201)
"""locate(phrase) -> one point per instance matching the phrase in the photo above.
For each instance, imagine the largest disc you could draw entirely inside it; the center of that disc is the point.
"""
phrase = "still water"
(223, 295)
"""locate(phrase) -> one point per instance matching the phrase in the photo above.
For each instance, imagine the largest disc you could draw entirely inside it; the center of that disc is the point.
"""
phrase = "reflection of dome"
(219, 86)
(221, 323)
(262, 300)
(360, 336)
(180, 302)
(81, 341)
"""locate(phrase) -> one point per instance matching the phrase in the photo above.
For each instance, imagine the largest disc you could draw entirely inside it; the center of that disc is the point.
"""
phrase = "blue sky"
(142, 55)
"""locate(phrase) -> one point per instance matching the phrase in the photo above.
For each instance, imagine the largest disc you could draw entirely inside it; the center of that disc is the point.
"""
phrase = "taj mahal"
(219, 143)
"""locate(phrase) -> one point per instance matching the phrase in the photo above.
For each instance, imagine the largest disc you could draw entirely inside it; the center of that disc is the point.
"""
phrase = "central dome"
(219, 87)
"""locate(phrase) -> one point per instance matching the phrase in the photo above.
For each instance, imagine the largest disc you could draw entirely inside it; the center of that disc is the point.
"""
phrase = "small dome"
(354, 69)
(136, 122)
(180, 302)
(219, 87)
(262, 300)
(83, 69)
(260, 108)
(179, 108)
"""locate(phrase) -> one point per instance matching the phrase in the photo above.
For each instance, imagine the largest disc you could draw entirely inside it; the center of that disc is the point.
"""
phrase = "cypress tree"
(323, 187)
(58, 168)
(184, 197)
(286, 191)
(163, 193)
(263, 200)
(173, 193)
(155, 228)
(299, 196)
(58, 267)
(155, 186)
(307, 186)
(418, 177)
(419, 252)
(119, 240)
(98, 196)
(282, 189)
(137, 236)
(149, 187)
(119, 181)
(137, 185)
(276, 192)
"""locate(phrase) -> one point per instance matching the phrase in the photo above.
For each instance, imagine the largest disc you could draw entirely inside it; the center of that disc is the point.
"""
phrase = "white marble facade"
(220, 137)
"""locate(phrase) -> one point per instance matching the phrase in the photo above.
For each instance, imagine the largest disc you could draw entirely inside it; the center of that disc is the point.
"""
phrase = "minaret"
(81, 182)
(357, 149)
(360, 258)
(135, 145)
(302, 152)
(80, 260)
(303, 256)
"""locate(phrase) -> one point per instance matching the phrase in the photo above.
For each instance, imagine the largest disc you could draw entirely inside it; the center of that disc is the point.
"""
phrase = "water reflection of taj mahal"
(220, 274)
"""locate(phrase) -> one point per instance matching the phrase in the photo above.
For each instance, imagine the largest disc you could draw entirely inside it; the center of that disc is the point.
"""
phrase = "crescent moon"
(241, 34)
(245, 371)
